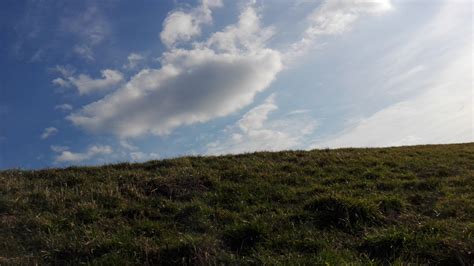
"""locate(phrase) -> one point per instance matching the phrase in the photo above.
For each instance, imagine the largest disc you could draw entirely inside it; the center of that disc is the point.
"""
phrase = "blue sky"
(94, 82)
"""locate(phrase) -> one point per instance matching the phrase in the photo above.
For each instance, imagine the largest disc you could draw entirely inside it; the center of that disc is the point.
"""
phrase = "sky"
(96, 82)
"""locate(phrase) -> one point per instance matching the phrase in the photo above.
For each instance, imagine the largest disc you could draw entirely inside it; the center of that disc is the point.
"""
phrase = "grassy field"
(359, 206)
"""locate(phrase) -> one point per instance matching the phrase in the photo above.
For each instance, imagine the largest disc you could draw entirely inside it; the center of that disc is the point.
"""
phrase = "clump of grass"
(390, 205)
(5, 206)
(188, 251)
(388, 245)
(461, 208)
(342, 213)
(371, 175)
(421, 185)
(39, 201)
(182, 188)
(148, 228)
(71, 180)
(192, 217)
(243, 237)
(87, 213)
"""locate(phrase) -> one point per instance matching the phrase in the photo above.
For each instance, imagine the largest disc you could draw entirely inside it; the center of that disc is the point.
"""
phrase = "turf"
(358, 206)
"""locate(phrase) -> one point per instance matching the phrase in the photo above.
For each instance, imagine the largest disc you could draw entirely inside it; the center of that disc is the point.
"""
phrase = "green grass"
(358, 206)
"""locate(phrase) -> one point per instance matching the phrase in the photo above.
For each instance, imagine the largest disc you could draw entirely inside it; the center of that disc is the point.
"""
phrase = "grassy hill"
(362, 206)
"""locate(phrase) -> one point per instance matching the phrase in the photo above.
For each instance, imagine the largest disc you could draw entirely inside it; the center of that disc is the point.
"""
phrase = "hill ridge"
(352, 205)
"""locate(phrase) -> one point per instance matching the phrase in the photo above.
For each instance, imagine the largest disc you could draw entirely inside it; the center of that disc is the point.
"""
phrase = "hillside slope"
(407, 204)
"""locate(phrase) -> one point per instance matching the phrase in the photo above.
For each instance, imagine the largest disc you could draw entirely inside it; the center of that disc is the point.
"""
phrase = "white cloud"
(335, 17)
(255, 132)
(85, 84)
(182, 26)
(63, 107)
(91, 152)
(298, 112)
(102, 153)
(58, 148)
(133, 60)
(246, 35)
(141, 156)
(254, 119)
(192, 85)
(126, 145)
(84, 51)
(60, 82)
(179, 26)
(65, 71)
(48, 132)
(211, 3)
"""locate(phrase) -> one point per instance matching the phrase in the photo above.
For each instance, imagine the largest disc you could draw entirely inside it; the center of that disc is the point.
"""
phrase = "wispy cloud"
(84, 51)
(125, 151)
(65, 71)
(335, 17)
(134, 59)
(76, 157)
(138, 156)
(442, 114)
(89, 27)
(256, 132)
(59, 148)
(48, 132)
(63, 107)
(85, 84)
(438, 103)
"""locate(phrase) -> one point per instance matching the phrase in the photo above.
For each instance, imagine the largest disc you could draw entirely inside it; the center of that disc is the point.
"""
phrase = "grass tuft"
(244, 237)
(341, 213)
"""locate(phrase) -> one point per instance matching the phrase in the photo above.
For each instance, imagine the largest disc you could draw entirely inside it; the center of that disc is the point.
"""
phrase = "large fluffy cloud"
(213, 79)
